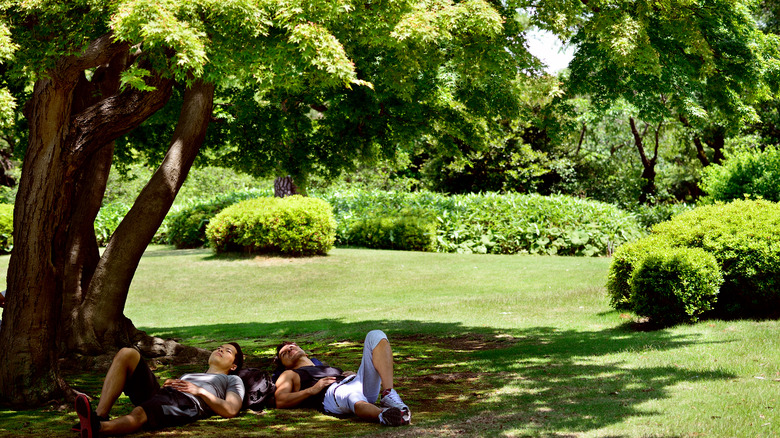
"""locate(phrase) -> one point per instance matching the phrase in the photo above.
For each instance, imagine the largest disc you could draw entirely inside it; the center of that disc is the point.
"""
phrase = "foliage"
(625, 261)
(203, 183)
(701, 61)
(293, 225)
(495, 223)
(6, 228)
(108, 219)
(743, 237)
(513, 157)
(403, 232)
(649, 215)
(745, 173)
(186, 228)
(675, 285)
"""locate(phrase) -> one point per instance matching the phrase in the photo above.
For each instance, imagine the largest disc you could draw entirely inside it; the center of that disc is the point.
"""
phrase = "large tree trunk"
(101, 323)
(64, 141)
(28, 369)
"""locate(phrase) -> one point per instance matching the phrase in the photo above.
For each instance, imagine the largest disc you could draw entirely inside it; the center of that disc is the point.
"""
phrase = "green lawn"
(484, 346)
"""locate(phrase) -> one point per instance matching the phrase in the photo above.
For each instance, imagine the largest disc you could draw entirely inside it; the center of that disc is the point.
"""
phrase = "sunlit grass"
(484, 345)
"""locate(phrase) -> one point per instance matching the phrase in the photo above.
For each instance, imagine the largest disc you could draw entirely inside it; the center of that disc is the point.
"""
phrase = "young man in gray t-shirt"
(178, 402)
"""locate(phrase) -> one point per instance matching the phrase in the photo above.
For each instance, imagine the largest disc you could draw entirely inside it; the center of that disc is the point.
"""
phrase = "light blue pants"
(340, 398)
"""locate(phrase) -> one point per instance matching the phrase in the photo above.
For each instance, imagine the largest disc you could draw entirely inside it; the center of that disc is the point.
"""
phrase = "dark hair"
(239, 359)
(277, 361)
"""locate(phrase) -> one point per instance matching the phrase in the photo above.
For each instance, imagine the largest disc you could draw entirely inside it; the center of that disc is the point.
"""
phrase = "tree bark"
(64, 142)
(285, 186)
(28, 366)
(101, 324)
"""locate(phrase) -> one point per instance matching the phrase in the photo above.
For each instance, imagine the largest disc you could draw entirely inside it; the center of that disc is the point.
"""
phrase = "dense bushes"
(404, 232)
(294, 225)
(744, 239)
(6, 228)
(108, 218)
(186, 228)
(748, 172)
(493, 223)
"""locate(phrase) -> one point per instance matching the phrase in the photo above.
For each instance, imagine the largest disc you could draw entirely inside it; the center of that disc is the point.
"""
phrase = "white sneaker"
(393, 400)
(393, 417)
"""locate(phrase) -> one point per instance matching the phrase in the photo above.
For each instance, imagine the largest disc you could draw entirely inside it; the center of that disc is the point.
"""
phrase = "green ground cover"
(485, 345)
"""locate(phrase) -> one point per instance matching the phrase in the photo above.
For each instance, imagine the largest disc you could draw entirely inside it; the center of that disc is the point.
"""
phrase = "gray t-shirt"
(217, 384)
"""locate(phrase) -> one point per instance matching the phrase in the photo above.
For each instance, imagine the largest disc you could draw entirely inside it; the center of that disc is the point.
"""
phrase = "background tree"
(703, 64)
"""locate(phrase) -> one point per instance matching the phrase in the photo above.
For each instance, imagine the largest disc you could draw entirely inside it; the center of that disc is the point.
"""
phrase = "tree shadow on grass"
(457, 380)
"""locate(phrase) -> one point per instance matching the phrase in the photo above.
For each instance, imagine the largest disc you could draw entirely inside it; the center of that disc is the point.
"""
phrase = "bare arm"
(227, 408)
(288, 393)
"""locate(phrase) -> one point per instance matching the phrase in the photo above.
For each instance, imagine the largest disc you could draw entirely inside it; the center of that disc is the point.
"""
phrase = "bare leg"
(125, 424)
(367, 411)
(382, 358)
(122, 367)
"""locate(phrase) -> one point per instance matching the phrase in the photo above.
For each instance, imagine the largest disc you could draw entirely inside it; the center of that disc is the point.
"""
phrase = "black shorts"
(164, 407)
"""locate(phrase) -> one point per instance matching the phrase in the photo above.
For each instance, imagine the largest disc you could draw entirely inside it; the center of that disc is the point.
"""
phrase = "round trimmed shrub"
(625, 260)
(6, 228)
(294, 225)
(408, 233)
(674, 285)
(187, 227)
(744, 237)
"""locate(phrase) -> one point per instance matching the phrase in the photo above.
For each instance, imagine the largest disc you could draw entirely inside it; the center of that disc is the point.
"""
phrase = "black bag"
(259, 389)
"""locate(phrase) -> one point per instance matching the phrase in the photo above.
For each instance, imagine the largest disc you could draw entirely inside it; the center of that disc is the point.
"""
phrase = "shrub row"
(742, 239)
(492, 223)
(403, 232)
(480, 223)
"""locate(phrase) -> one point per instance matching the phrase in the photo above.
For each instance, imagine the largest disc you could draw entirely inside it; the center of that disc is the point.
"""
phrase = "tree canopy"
(289, 85)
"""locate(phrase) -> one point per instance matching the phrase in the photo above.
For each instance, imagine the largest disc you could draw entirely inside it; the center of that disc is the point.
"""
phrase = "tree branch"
(108, 289)
(638, 143)
(98, 52)
(109, 119)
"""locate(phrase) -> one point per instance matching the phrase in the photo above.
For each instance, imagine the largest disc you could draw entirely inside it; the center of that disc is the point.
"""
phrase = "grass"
(484, 346)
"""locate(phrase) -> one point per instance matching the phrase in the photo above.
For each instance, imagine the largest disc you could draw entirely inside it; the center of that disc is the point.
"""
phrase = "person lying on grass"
(328, 389)
(178, 402)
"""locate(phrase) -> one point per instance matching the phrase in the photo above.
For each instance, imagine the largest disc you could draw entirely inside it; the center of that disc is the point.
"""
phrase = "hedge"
(496, 223)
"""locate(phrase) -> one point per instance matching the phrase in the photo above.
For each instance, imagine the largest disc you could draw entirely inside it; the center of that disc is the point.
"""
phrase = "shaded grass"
(484, 346)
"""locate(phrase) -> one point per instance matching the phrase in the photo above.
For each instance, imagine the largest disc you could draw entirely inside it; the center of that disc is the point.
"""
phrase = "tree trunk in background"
(648, 164)
(717, 141)
(284, 186)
